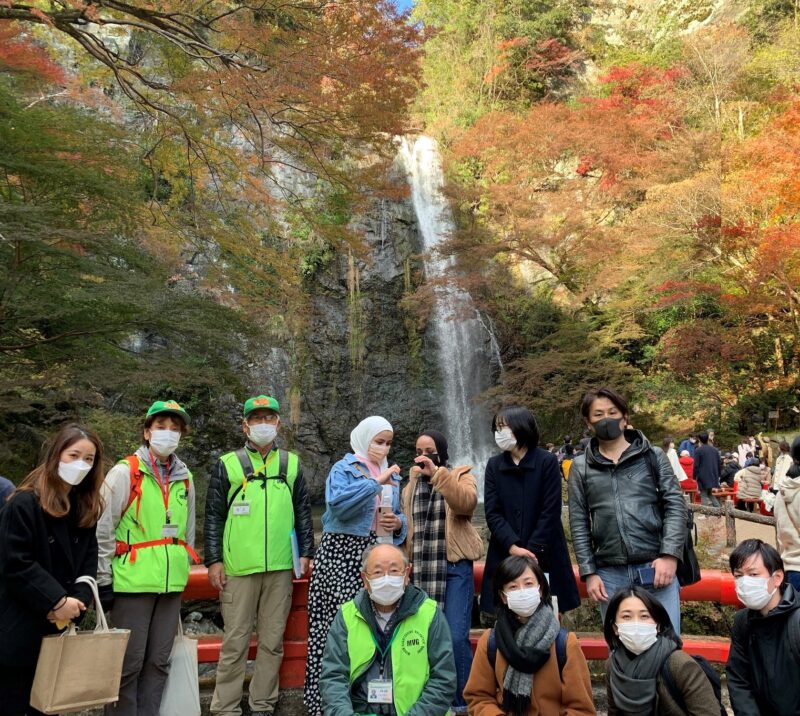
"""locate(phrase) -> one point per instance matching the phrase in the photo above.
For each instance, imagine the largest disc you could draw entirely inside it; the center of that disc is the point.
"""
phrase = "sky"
(403, 4)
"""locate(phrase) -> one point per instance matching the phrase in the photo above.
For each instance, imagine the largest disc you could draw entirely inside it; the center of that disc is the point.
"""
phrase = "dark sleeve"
(501, 530)
(698, 461)
(216, 513)
(303, 523)
(29, 582)
(739, 670)
(88, 568)
(579, 527)
(549, 520)
(673, 531)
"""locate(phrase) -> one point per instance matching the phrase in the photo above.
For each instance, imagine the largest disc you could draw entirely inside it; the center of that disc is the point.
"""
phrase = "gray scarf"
(526, 654)
(634, 678)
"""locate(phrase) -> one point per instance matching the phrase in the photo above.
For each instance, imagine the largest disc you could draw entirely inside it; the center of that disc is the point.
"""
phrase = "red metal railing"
(715, 586)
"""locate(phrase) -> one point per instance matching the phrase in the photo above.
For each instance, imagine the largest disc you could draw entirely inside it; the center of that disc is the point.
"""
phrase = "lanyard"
(163, 483)
(384, 652)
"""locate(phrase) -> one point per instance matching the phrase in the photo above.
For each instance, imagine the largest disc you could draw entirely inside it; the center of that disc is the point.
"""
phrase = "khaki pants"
(265, 598)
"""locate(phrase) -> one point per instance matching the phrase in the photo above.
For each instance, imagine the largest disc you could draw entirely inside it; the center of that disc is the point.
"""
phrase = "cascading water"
(467, 350)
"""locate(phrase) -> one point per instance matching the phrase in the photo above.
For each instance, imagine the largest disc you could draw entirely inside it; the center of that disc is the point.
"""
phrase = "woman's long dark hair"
(510, 569)
(53, 492)
(656, 609)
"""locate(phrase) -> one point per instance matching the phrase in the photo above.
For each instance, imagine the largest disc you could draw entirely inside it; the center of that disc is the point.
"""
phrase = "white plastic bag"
(182, 692)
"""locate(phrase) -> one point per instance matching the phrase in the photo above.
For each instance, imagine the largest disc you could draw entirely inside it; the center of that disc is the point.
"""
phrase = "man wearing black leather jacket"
(626, 511)
(258, 530)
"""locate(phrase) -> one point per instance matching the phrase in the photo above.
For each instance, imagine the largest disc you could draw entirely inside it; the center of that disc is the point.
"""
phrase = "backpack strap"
(561, 650)
(136, 477)
(244, 461)
(672, 687)
(491, 648)
(283, 465)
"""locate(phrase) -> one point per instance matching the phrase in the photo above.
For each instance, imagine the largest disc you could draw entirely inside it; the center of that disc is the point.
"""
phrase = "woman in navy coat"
(522, 498)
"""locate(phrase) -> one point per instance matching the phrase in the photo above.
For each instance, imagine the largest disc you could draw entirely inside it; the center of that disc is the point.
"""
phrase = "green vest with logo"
(138, 567)
(257, 536)
(409, 651)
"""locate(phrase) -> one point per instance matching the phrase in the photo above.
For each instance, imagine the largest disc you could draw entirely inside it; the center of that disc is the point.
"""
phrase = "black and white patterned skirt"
(336, 579)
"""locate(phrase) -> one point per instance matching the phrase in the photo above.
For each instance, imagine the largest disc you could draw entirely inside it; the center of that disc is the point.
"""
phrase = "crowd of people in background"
(391, 589)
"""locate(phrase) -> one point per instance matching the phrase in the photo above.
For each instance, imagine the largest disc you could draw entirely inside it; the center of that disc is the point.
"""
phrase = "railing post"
(730, 524)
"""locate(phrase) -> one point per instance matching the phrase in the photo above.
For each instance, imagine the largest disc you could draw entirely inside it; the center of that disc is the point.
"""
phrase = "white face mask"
(524, 602)
(262, 434)
(637, 637)
(164, 442)
(387, 590)
(73, 472)
(505, 439)
(753, 592)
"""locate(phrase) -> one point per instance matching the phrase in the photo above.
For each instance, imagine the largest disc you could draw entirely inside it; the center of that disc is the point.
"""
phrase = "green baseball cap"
(167, 406)
(261, 402)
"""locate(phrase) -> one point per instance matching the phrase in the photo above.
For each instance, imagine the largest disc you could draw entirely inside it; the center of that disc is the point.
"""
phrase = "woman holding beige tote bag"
(47, 533)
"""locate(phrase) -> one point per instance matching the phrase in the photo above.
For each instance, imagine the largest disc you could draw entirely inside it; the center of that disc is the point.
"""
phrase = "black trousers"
(15, 691)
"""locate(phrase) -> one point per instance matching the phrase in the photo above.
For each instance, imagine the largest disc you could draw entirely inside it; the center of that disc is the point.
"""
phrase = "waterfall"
(467, 351)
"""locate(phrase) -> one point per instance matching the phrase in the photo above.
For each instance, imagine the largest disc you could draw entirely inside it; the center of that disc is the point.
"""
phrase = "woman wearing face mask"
(522, 497)
(442, 543)
(527, 664)
(647, 672)
(146, 542)
(353, 517)
(47, 533)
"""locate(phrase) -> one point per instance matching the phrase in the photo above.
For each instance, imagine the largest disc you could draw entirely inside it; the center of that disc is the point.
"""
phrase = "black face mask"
(607, 428)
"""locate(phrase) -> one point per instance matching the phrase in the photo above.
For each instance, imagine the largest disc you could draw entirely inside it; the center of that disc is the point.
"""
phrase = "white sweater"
(787, 522)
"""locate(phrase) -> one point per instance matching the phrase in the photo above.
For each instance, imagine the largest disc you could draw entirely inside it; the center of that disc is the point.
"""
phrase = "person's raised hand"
(388, 474)
(425, 464)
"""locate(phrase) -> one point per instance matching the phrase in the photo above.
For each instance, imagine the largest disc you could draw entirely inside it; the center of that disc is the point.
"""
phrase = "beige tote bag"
(80, 669)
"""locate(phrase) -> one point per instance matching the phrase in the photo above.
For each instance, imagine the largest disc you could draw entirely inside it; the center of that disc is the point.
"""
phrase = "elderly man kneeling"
(389, 650)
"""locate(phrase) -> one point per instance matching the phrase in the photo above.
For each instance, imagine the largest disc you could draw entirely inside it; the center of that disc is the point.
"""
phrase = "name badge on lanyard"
(241, 509)
(169, 531)
(379, 691)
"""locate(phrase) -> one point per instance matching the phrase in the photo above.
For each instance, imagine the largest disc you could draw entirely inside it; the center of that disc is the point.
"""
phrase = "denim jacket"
(350, 500)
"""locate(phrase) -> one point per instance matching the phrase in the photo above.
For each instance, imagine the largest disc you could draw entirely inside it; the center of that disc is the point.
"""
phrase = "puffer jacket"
(616, 514)
(750, 482)
(787, 522)
(761, 668)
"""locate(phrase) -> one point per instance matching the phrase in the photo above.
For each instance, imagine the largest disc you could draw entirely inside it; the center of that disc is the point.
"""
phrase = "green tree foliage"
(484, 55)
(642, 229)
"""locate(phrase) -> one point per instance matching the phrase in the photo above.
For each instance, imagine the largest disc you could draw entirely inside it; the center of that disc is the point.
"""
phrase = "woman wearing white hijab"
(352, 497)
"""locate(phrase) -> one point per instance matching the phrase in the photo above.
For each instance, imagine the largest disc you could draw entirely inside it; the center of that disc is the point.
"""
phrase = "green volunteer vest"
(409, 651)
(164, 568)
(260, 540)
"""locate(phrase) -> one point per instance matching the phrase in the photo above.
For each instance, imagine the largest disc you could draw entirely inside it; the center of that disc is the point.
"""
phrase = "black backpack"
(711, 675)
(561, 649)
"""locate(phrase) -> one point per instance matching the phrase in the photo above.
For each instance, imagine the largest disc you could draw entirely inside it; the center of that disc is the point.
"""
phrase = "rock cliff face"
(356, 358)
